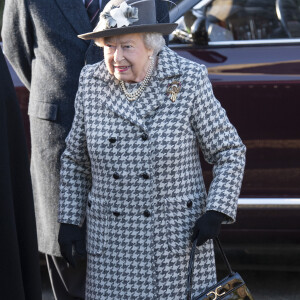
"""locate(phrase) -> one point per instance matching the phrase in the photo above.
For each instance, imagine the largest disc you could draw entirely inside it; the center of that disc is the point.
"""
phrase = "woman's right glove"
(207, 226)
(71, 235)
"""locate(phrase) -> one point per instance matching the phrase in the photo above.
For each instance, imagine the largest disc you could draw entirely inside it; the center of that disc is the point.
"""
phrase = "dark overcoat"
(40, 41)
(19, 266)
(133, 169)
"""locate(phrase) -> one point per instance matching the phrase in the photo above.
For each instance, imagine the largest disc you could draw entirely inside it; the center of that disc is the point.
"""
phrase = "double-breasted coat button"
(89, 203)
(116, 213)
(116, 176)
(147, 213)
(145, 175)
(112, 140)
(189, 204)
(144, 136)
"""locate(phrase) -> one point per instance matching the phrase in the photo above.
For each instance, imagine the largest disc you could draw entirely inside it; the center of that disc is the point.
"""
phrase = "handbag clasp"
(216, 293)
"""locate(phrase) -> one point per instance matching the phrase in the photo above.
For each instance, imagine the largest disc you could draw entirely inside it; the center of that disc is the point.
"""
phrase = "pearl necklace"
(137, 93)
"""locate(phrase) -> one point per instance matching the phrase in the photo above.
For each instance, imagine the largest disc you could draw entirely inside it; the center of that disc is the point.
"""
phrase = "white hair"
(152, 41)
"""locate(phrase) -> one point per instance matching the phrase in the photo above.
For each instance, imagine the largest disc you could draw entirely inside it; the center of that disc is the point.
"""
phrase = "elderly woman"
(131, 167)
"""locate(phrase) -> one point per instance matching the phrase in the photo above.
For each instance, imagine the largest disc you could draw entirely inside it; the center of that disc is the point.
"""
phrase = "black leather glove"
(71, 235)
(207, 226)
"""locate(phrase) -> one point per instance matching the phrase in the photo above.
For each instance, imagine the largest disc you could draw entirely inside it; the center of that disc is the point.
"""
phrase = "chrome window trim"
(176, 12)
(254, 42)
(268, 202)
(242, 43)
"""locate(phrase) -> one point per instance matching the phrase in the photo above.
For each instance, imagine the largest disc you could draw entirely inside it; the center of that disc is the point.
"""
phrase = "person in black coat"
(19, 272)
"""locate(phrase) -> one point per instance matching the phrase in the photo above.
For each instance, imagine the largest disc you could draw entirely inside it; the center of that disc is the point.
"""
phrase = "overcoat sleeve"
(75, 174)
(221, 146)
(18, 38)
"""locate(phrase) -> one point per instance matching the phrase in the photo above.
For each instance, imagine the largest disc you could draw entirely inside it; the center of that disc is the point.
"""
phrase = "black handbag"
(232, 287)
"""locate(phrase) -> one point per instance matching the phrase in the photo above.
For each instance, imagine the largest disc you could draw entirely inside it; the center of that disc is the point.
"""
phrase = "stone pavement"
(46, 287)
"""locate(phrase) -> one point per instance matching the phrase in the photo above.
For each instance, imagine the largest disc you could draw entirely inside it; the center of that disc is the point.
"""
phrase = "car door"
(252, 52)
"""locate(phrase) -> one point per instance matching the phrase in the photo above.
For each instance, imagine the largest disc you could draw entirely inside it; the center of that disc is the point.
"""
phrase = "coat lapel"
(114, 99)
(75, 13)
(155, 94)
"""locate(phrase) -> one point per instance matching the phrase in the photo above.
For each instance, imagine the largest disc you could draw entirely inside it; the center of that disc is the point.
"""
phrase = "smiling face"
(126, 57)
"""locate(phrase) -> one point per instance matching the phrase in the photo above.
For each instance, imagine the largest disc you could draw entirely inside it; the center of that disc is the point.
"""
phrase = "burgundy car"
(252, 51)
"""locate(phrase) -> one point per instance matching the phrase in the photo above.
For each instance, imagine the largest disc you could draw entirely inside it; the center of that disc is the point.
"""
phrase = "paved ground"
(47, 292)
(271, 285)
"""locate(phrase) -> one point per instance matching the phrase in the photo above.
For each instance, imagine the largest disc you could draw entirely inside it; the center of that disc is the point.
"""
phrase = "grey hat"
(124, 17)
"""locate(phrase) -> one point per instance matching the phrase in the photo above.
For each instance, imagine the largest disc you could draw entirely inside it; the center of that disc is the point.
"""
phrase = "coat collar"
(168, 66)
(75, 13)
(154, 96)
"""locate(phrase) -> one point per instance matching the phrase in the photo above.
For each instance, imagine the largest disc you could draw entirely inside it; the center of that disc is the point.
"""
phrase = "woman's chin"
(123, 77)
(118, 75)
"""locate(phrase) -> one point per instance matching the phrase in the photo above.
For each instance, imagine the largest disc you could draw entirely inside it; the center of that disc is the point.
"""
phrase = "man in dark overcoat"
(19, 272)
(40, 40)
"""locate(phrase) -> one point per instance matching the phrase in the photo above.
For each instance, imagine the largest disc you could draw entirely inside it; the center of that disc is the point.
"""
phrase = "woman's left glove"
(71, 235)
(207, 226)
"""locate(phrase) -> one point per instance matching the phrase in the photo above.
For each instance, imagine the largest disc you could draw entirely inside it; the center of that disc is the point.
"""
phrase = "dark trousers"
(67, 283)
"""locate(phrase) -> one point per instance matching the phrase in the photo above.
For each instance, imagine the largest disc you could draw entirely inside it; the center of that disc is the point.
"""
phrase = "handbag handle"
(191, 265)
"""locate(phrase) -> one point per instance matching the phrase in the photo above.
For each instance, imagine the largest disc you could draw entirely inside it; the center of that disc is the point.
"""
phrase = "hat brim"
(163, 28)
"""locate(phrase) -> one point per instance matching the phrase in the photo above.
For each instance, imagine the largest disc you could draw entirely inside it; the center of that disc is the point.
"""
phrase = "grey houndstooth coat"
(133, 169)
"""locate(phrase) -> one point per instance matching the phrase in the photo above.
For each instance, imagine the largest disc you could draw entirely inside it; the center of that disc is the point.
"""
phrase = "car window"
(238, 20)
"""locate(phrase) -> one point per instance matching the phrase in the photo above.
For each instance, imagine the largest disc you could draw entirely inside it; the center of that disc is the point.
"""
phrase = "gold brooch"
(173, 90)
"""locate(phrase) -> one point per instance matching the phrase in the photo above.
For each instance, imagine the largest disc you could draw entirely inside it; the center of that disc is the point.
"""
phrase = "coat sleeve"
(17, 35)
(221, 146)
(75, 174)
